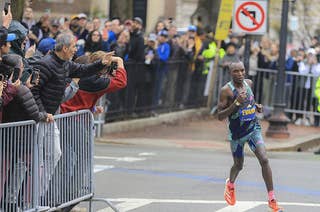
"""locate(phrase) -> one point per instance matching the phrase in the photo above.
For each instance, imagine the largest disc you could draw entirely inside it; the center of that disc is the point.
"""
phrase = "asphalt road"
(165, 179)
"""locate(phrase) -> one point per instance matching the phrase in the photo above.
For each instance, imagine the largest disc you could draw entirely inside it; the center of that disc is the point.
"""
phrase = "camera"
(113, 66)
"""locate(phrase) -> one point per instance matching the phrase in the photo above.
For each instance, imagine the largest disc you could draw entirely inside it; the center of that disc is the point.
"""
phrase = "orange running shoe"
(273, 205)
(229, 194)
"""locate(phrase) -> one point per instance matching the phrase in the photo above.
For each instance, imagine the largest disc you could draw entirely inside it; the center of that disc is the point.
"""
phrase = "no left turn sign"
(250, 17)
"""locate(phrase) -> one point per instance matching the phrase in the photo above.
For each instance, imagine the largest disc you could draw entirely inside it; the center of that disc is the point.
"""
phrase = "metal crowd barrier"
(300, 98)
(179, 87)
(17, 166)
(49, 166)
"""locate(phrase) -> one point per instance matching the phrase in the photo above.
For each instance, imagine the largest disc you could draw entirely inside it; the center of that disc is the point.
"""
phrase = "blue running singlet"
(243, 121)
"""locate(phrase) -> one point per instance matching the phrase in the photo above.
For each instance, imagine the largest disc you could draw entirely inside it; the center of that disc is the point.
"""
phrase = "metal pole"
(278, 121)
(246, 58)
(213, 76)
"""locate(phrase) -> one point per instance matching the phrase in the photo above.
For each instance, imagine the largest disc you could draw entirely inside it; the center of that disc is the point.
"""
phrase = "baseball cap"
(82, 15)
(11, 37)
(192, 28)
(55, 22)
(163, 33)
(46, 44)
(138, 19)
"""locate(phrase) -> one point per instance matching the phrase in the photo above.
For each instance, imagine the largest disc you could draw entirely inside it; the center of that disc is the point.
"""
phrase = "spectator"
(128, 25)
(307, 68)
(54, 29)
(82, 32)
(93, 87)
(23, 106)
(89, 28)
(93, 43)
(230, 57)
(40, 30)
(96, 24)
(121, 47)
(18, 45)
(27, 18)
(46, 45)
(163, 51)
(186, 73)
(136, 44)
(159, 27)
(5, 41)
(54, 68)
(291, 65)
(116, 26)
(28, 21)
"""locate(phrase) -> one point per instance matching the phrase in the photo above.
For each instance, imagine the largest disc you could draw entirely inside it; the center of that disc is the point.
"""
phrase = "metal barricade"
(17, 165)
(47, 167)
(65, 157)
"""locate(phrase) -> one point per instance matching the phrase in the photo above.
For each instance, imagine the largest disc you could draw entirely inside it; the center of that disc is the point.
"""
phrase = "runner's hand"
(259, 108)
(242, 97)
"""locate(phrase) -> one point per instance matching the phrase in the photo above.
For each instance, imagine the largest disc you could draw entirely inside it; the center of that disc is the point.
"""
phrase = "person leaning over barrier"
(55, 67)
(93, 87)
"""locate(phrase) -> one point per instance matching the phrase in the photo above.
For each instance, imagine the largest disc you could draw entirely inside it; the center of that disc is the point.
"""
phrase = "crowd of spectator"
(156, 53)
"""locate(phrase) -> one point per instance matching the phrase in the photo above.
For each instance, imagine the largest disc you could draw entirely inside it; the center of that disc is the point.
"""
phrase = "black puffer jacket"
(23, 107)
(53, 74)
(136, 46)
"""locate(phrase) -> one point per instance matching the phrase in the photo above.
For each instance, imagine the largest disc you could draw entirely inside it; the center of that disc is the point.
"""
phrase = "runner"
(238, 104)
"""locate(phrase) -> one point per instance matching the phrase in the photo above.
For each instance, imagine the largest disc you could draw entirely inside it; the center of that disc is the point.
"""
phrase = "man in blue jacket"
(163, 51)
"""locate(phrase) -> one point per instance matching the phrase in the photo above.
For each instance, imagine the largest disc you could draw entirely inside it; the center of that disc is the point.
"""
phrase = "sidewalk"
(194, 129)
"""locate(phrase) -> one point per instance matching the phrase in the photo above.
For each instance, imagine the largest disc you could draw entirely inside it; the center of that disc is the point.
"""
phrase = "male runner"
(238, 104)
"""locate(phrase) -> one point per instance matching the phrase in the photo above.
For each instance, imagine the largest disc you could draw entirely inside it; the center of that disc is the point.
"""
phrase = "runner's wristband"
(237, 103)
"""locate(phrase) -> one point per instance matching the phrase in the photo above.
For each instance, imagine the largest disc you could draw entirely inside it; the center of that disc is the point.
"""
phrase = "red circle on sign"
(258, 25)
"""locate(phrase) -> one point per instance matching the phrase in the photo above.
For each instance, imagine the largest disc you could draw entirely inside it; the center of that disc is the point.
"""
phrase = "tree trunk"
(17, 7)
(208, 10)
(121, 8)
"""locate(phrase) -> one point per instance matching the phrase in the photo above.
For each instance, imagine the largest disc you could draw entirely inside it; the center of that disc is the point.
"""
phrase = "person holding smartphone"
(23, 106)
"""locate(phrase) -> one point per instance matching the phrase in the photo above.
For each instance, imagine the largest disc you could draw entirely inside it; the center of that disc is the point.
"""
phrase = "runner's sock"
(230, 185)
(271, 195)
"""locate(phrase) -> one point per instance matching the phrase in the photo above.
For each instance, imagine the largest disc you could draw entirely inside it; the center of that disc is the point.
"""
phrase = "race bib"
(248, 113)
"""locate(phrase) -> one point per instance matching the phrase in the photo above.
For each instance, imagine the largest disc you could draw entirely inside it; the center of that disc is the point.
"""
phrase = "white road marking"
(99, 168)
(128, 205)
(147, 154)
(133, 203)
(123, 159)
(240, 207)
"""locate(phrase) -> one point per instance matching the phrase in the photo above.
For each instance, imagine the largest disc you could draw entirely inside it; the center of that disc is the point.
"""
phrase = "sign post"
(250, 17)
(221, 33)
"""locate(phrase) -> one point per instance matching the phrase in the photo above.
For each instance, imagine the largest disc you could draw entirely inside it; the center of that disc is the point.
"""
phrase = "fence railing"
(47, 166)
(17, 166)
(148, 89)
(300, 99)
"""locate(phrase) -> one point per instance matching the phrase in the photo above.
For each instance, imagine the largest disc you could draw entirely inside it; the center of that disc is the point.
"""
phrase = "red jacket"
(86, 98)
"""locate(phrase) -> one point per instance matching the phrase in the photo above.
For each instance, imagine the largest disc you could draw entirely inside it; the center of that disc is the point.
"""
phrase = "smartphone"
(6, 6)
(16, 73)
(34, 77)
(1, 77)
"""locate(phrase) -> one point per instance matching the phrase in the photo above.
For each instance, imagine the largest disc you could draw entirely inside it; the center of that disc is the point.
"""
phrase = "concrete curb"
(298, 145)
(168, 118)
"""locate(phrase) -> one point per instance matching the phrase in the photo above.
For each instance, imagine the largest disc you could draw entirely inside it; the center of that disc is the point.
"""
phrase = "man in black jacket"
(56, 67)
(136, 44)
